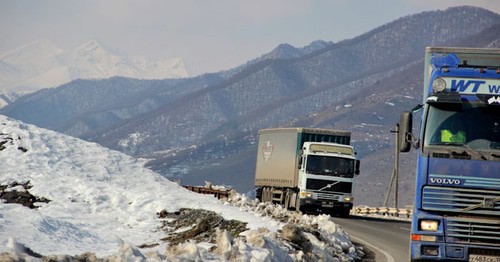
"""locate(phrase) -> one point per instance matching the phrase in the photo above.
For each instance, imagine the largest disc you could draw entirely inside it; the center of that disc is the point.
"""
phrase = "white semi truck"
(307, 169)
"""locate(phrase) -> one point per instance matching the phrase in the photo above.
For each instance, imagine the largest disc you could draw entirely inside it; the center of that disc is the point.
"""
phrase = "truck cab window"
(476, 127)
(330, 166)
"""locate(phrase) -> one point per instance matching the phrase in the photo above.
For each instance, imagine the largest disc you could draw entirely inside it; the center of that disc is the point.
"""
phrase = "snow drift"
(86, 199)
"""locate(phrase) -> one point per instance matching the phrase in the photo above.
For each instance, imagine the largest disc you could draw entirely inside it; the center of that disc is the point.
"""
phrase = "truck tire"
(267, 194)
(297, 201)
(264, 194)
(287, 199)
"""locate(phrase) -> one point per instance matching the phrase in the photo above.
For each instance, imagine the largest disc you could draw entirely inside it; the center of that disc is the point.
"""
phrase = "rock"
(293, 233)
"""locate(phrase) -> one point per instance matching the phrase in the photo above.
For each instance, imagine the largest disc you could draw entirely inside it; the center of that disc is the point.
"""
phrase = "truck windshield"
(330, 166)
(472, 127)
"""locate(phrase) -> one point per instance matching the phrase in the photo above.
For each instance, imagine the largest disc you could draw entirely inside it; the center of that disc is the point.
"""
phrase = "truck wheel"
(297, 201)
(288, 195)
(264, 194)
(267, 195)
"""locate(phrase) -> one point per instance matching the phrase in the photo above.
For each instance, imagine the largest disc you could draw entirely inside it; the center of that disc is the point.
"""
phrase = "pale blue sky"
(210, 35)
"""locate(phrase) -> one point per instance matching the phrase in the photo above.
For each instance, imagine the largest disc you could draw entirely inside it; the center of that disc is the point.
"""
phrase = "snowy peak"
(91, 60)
(96, 48)
(41, 64)
(98, 61)
(92, 49)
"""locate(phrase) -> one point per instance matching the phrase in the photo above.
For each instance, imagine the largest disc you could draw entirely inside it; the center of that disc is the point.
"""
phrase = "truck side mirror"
(356, 168)
(405, 127)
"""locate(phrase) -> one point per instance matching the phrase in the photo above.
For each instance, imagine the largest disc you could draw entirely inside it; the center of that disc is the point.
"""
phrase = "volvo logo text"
(445, 181)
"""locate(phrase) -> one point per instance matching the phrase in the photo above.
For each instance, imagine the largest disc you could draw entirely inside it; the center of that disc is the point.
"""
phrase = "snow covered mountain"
(41, 64)
(61, 196)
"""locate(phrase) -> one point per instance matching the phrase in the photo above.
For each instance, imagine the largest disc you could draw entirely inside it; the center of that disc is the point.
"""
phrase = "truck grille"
(473, 231)
(447, 199)
(340, 187)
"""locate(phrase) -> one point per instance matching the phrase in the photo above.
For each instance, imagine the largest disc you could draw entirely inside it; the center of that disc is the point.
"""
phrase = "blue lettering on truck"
(462, 85)
(494, 89)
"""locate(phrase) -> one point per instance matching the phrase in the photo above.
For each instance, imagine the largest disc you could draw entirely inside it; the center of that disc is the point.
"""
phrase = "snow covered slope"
(86, 198)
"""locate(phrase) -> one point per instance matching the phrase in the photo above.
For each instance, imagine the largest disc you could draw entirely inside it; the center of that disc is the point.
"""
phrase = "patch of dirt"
(8, 140)
(198, 225)
(369, 255)
(23, 197)
(300, 239)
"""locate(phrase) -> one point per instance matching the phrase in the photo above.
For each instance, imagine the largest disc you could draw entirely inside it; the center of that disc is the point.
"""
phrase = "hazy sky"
(210, 35)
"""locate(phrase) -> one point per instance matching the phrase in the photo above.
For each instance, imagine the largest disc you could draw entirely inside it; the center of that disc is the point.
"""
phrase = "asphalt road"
(384, 240)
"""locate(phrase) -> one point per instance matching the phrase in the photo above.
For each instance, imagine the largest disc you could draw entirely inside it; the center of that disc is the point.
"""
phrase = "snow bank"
(107, 203)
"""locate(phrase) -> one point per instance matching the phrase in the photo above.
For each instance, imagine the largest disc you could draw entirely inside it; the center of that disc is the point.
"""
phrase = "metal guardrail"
(383, 211)
(218, 193)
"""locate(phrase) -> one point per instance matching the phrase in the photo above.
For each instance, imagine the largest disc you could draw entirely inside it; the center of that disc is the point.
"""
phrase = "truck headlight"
(305, 194)
(429, 225)
(438, 85)
(348, 199)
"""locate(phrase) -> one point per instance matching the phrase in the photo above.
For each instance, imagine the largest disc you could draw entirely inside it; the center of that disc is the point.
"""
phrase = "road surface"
(385, 240)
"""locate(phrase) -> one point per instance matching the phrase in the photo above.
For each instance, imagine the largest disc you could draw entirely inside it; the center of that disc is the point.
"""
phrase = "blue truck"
(457, 198)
